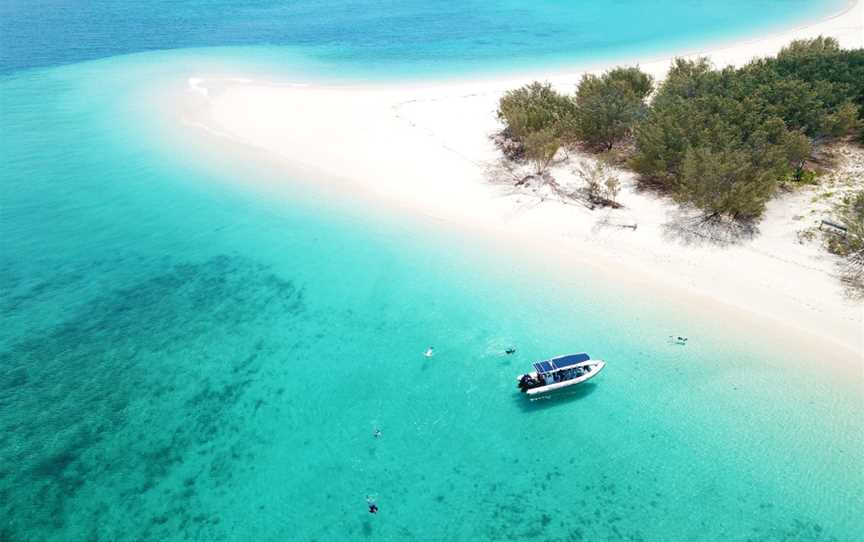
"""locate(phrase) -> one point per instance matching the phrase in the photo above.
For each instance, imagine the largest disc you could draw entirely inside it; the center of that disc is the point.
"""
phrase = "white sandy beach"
(427, 149)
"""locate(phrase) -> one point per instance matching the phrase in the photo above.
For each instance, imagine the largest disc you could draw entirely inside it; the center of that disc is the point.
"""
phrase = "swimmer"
(373, 508)
(377, 433)
(429, 352)
(679, 340)
(510, 350)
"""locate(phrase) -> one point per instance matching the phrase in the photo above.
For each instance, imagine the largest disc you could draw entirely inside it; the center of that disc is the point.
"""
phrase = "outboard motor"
(527, 382)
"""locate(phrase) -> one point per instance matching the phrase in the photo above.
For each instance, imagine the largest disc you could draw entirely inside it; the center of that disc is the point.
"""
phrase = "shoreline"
(370, 139)
(714, 48)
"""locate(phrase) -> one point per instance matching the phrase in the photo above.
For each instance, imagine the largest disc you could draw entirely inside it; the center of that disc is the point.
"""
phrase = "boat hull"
(595, 365)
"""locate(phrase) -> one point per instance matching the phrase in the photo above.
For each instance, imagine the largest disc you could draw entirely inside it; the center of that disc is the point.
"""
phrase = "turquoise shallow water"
(181, 358)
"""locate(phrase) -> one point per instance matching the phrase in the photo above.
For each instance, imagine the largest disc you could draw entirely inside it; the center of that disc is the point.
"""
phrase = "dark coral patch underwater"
(135, 402)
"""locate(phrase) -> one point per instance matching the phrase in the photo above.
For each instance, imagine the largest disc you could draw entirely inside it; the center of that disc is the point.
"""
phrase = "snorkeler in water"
(373, 508)
(429, 352)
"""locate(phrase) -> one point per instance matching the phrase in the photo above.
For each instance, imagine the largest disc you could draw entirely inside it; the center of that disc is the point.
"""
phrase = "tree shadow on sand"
(514, 179)
(503, 172)
(851, 273)
(691, 227)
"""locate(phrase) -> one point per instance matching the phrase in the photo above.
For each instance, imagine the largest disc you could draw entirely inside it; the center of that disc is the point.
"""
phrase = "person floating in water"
(678, 340)
(377, 433)
(511, 350)
(373, 508)
(429, 352)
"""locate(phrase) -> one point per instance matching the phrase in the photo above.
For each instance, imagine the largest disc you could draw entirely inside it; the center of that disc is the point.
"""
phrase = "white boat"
(560, 372)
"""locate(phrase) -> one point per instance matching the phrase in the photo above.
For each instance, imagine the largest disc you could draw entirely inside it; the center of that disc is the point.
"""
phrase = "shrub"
(534, 108)
(540, 148)
(723, 139)
(851, 246)
(851, 215)
(608, 106)
(601, 186)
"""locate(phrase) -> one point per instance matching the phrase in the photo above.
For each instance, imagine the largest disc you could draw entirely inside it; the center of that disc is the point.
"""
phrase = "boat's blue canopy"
(560, 362)
(567, 361)
(544, 367)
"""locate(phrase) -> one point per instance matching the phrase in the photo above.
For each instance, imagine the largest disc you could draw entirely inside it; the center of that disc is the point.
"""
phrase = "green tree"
(608, 106)
(637, 81)
(723, 182)
(688, 79)
(798, 149)
(718, 139)
(534, 108)
(663, 138)
(722, 139)
(844, 120)
(817, 47)
(835, 73)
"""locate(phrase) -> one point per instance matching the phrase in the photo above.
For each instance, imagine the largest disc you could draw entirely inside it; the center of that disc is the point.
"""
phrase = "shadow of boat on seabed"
(553, 398)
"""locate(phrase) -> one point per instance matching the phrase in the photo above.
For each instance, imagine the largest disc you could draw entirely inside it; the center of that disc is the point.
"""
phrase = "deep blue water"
(375, 38)
(185, 359)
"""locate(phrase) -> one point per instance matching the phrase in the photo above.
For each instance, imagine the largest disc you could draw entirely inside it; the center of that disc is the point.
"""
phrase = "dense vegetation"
(538, 120)
(608, 106)
(721, 140)
(851, 245)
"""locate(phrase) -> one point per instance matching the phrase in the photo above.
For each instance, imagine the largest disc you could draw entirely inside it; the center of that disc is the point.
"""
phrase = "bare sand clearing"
(428, 148)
